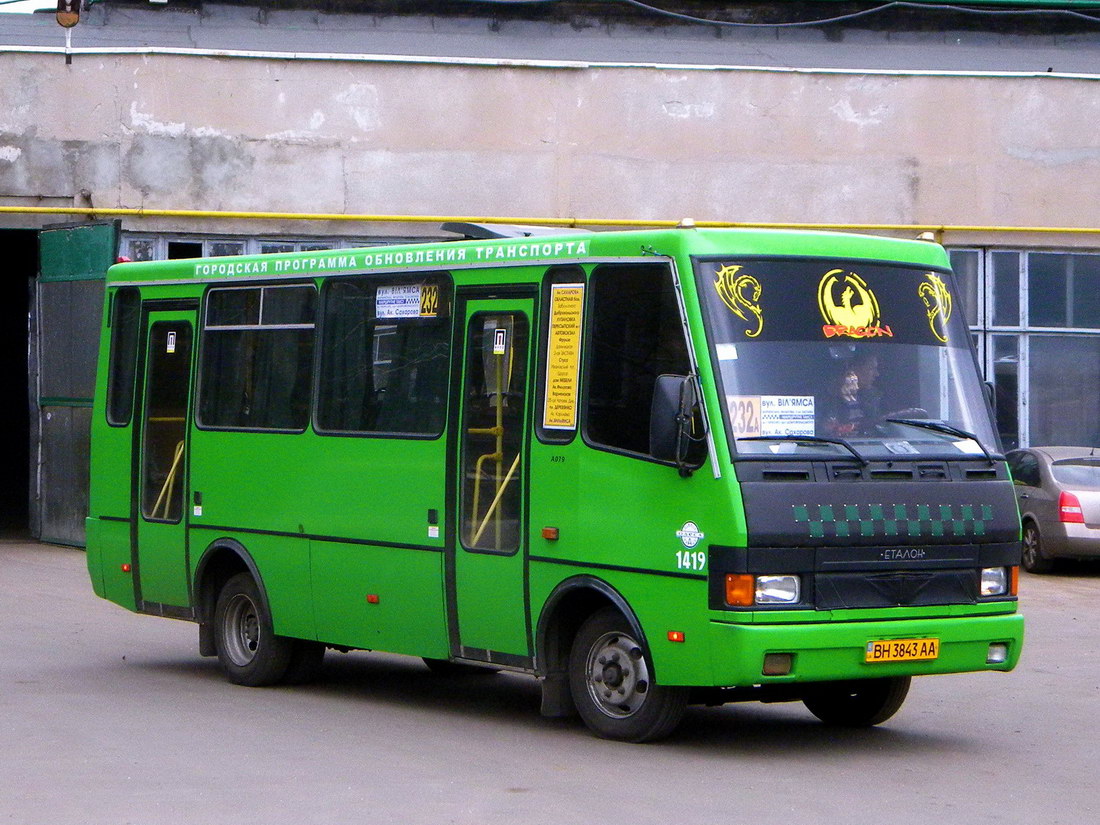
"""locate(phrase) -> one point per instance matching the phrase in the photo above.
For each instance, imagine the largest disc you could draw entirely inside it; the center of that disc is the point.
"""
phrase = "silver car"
(1058, 490)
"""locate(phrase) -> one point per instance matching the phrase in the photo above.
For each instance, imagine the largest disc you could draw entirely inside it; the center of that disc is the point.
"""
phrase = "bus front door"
(161, 576)
(489, 614)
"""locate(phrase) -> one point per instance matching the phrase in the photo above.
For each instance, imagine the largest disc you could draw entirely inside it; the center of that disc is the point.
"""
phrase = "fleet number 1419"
(691, 560)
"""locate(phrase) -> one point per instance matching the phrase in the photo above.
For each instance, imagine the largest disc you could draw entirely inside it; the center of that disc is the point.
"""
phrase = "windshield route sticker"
(771, 415)
(783, 415)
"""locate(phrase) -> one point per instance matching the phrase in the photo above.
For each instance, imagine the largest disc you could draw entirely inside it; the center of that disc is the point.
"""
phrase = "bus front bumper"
(838, 650)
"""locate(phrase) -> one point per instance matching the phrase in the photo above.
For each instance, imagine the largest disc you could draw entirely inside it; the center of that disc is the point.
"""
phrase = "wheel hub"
(618, 677)
(242, 630)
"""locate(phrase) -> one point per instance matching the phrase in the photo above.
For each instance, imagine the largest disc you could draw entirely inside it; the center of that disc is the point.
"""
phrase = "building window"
(166, 248)
(1036, 322)
(1063, 290)
(1064, 390)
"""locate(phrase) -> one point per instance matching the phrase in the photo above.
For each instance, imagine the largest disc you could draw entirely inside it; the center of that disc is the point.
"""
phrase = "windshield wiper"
(948, 429)
(810, 438)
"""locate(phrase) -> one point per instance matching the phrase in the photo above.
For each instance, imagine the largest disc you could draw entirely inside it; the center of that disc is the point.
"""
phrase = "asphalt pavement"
(110, 717)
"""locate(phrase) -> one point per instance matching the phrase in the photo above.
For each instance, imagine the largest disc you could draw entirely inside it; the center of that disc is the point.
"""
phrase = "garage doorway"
(20, 266)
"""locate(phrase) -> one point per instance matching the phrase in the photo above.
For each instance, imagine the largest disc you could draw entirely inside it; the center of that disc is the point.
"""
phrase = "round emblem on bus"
(690, 534)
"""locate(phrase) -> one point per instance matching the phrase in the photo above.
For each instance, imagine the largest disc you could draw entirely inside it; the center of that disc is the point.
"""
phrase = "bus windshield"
(830, 358)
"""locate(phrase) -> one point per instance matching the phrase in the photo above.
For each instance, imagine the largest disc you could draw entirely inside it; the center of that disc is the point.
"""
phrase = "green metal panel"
(77, 253)
(73, 261)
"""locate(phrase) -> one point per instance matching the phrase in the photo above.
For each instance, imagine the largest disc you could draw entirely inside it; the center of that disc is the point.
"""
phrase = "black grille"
(834, 591)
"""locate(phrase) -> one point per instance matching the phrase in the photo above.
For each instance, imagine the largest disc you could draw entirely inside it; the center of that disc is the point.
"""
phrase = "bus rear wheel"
(611, 683)
(860, 703)
(248, 650)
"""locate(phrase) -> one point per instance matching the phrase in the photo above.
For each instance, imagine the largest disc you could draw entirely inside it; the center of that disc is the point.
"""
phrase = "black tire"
(860, 703)
(1033, 559)
(307, 661)
(249, 651)
(609, 678)
(444, 667)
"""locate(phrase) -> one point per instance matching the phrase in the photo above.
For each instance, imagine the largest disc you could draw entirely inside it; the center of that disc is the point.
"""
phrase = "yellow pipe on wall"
(206, 214)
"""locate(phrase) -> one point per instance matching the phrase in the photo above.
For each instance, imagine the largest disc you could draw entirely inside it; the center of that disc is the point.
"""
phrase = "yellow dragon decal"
(741, 293)
(937, 302)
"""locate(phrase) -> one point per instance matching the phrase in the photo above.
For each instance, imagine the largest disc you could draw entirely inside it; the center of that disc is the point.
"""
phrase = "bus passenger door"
(160, 485)
(486, 581)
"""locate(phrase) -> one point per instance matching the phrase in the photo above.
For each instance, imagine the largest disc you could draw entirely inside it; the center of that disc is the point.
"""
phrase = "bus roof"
(555, 247)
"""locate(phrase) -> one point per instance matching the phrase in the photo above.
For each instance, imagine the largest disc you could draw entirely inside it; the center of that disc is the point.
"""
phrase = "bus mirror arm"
(674, 412)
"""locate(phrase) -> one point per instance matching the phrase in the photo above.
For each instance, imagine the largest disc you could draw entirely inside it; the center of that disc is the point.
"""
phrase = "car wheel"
(1033, 559)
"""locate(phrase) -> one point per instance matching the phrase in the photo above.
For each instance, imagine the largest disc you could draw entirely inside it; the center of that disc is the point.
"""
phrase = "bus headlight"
(778, 590)
(994, 581)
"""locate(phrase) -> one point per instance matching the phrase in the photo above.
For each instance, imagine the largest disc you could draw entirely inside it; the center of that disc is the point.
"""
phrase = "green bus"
(649, 468)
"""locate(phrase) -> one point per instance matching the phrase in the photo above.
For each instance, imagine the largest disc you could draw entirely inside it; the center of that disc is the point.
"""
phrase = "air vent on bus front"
(785, 475)
(977, 475)
(891, 475)
(932, 471)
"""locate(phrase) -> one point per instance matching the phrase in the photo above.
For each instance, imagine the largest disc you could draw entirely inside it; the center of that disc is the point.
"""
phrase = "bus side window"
(257, 358)
(123, 364)
(385, 353)
(636, 335)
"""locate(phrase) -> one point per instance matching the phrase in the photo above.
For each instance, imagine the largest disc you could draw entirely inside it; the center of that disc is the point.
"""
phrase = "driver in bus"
(855, 404)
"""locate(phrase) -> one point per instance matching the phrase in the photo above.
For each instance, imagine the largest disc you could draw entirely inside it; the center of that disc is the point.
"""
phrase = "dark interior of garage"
(21, 248)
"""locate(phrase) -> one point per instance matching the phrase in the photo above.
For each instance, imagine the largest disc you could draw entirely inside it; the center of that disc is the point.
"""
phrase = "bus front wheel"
(249, 651)
(858, 704)
(611, 682)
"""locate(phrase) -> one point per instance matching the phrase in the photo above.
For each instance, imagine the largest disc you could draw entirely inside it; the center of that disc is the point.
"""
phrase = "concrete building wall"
(172, 131)
(138, 127)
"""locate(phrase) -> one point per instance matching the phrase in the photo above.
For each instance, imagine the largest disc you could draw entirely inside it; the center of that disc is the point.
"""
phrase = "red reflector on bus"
(550, 533)
(125, 568)
(372, 598)
(1069, 509)
(676, 635)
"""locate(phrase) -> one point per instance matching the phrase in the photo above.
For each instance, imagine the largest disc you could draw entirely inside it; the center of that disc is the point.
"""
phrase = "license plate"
(902, 650)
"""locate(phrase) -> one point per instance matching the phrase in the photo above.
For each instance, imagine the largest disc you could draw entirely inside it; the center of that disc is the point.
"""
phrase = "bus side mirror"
(673, 421)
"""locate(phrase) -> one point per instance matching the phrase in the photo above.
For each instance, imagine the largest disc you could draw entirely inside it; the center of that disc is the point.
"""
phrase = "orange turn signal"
(1014, 581)
(740, 590)
(676, 635)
